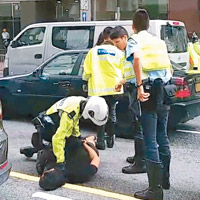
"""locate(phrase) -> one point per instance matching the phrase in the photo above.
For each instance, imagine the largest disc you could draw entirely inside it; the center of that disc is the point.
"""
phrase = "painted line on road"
(188, 131)
(79, 188)
(46, 196)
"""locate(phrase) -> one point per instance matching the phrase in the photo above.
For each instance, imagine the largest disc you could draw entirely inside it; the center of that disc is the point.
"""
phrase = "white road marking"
(46, 196)
(188, 131)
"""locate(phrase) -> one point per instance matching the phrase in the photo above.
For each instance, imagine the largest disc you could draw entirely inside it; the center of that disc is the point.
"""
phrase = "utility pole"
(118, 10)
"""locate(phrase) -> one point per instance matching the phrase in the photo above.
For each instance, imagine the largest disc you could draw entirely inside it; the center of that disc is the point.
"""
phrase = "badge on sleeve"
(71, 114)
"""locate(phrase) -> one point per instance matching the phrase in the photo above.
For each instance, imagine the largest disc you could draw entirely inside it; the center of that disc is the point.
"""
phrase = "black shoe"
(149, 194)
(28, 151)
(110, 141)
(130, 159)
(100, 144)
(136, 167)
(166, 184)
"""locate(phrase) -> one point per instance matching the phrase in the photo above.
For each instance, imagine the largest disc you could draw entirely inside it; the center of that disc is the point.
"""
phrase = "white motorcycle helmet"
(96, 109)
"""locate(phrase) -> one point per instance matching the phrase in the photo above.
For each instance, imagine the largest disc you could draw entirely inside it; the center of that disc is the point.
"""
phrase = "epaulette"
(132, 40)
(71, 114)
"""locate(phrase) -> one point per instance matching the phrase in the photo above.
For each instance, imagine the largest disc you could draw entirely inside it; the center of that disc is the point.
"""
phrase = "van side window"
(61, 65)
(31, 36)
(73, 37)
(175, 38)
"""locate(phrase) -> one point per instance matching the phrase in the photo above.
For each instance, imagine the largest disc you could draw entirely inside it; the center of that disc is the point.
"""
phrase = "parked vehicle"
(60, 76)
(5, 166)
(37, 42)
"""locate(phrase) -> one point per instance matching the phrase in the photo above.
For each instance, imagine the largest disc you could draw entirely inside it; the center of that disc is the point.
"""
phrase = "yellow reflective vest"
(194, 49)
(69, 110)
(128, 70)
(154, 54)
(103, 69)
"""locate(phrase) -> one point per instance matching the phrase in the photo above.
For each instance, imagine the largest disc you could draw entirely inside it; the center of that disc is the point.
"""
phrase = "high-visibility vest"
(69, 109)
(103, 69)
(154, 54)
(128, 70)
(196, 47)
(194, 57)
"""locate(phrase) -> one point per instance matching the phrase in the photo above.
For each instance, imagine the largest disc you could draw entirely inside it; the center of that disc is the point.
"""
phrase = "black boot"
(155, 191)
(111, 130)
(138, 134)
(139, 166)
(100, 138)
(110, 141)
(165, 170)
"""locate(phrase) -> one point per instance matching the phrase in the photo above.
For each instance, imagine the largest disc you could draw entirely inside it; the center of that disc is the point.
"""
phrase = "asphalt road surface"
(109, 182)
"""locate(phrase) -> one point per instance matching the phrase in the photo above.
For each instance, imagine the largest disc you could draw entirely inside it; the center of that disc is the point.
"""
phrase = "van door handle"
(38, 56)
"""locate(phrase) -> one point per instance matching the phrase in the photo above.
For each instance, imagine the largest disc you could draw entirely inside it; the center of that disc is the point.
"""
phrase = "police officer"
(103, 69)
(71, 109)
(194, 52)
(152, 69)
(119, 36)
(72, 162)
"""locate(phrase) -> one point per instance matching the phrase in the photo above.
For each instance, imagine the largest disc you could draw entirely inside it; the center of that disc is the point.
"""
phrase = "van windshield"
(175, 38)
(73, 37)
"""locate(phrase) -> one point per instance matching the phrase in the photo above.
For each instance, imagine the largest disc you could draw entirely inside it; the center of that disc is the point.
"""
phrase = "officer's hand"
(118, 87)
(142, 96)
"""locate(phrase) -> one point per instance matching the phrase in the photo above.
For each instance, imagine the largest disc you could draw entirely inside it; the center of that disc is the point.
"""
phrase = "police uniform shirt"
(131, 48)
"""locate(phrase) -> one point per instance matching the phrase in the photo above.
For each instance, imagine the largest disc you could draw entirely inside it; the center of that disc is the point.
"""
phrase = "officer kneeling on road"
(71, 158)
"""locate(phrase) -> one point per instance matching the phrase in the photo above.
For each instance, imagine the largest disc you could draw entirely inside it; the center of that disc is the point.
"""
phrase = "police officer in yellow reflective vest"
(153, 70)
(103, 69)
(194, 53)
(71, 109)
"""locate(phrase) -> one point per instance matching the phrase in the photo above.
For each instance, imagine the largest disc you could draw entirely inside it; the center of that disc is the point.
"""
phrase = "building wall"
(186, 11)
(28, 16)
(34, 12)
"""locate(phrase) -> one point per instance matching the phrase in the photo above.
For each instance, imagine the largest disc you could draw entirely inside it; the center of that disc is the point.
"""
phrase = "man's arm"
(95, 160)
(142, 96)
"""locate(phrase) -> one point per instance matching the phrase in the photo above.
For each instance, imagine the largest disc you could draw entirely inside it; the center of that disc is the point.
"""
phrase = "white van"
(37, 42)
(175, 36)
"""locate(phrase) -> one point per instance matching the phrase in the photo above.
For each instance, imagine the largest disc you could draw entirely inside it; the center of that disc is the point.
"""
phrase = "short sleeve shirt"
(131, 48)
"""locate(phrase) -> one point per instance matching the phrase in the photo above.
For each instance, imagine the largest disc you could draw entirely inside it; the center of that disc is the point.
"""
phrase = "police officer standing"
(194, 52)
(119, 36)
(103, 69)
(152, 70)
